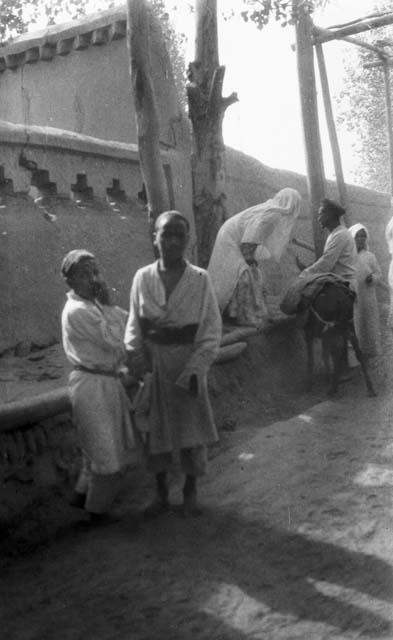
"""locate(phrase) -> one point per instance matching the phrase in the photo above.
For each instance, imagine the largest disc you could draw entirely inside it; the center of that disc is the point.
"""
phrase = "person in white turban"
(368, 275)
(260, 232)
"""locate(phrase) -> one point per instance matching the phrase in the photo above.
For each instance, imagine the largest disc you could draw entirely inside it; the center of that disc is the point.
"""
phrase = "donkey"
(329, 316)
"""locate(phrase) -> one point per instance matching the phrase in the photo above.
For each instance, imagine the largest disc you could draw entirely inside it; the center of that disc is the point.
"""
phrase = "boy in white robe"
(93, 334)
(174, 330)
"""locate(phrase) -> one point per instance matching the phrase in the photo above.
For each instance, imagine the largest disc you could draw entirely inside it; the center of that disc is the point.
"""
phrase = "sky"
(261, 67)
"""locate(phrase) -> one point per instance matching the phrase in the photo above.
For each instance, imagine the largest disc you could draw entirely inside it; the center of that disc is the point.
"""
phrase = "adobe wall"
(60, 191)
(31, 250)
(75, 76)
(36, 233)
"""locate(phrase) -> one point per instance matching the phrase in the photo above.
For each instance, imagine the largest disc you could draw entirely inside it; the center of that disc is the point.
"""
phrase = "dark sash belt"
(169, 335)
(99, 372)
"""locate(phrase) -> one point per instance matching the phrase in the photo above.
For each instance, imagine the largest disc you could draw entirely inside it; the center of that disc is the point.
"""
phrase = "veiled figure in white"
(244, 240)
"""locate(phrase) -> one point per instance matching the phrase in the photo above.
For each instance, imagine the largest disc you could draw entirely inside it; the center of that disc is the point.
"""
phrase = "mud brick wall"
(75, 76)
(60, 191)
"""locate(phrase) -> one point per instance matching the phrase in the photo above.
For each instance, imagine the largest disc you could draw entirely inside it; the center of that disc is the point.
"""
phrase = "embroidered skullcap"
(73, 258)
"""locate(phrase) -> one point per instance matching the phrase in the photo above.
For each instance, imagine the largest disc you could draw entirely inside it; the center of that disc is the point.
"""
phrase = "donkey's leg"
(310, 361)
(355, 344)
(336, 343)
(326, 356)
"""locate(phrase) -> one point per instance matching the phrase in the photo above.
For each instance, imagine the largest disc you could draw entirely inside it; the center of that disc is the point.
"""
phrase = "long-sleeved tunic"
(178, 337)
(339, 257)
(93, 337)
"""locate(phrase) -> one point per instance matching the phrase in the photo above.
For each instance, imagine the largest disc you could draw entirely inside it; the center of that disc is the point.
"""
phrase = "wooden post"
(341, 187)
(147, 118)
(309, 111)
(388, 101)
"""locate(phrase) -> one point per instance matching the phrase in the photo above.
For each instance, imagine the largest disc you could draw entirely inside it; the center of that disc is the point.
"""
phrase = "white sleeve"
(328, 259)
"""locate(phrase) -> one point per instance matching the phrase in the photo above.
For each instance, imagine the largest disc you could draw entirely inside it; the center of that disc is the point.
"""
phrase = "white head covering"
(272, 222)
(356, 228)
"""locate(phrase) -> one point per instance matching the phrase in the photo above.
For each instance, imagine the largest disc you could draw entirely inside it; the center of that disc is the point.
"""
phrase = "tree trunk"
(206, 110)
(147, 119)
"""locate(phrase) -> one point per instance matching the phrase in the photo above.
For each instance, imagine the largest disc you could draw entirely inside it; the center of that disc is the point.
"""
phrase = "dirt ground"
(295, 540)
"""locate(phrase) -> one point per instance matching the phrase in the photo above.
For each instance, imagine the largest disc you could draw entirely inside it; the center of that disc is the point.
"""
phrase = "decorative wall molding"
(78, 35)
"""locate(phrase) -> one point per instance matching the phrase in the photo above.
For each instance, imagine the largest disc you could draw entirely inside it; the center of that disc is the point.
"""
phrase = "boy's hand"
(128, 380)
(193, 385)
(102, 293)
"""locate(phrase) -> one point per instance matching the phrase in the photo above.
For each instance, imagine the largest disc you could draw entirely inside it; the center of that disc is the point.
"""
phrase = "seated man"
(337, 264)
(339, 254)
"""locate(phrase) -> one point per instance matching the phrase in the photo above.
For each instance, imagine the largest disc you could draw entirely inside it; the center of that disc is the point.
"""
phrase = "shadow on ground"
(217, 576)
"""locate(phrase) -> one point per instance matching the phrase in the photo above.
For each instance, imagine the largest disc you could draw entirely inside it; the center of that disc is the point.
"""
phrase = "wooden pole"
(309, 111)
(388, 102)
(341, 186)
(147, 117)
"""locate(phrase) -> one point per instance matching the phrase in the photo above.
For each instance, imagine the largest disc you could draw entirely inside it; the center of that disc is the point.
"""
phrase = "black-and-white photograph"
(196, 326)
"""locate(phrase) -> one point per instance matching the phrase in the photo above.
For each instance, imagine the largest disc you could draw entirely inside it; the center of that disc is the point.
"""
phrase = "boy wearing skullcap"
(93, 332)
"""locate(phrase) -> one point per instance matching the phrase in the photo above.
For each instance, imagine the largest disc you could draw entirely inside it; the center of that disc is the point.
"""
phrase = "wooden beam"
(303, 245)
(341, 186)
(320, 36)
(309, 109)
(357, 20)
(388, 103)
(358, 27)
(378, 63)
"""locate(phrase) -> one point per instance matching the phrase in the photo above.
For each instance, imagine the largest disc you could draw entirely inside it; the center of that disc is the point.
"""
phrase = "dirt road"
(296, 541)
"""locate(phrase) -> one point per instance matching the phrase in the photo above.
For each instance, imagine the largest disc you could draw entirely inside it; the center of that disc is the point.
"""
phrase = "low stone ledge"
(22, 413)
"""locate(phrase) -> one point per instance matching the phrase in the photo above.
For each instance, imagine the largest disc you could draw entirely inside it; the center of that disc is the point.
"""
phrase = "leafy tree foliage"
(17, 15)
(261, 12)
(361, 110)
